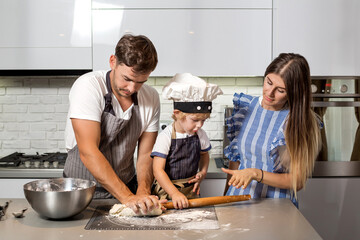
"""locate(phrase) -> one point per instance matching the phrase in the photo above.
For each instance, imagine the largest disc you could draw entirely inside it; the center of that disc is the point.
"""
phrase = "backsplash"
(33, 110)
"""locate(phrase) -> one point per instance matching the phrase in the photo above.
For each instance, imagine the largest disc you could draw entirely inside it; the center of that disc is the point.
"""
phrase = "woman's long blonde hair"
(302, 133)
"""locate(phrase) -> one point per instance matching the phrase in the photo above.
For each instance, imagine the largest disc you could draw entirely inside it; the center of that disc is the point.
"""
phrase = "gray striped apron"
(182, 164)
(118, 141)
(184, 156)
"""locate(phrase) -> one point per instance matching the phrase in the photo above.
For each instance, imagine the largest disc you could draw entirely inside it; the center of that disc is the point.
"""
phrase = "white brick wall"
(33, 111)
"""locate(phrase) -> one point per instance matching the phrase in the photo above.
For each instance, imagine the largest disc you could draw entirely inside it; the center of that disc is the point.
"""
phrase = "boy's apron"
(118, 141)
(182, 164)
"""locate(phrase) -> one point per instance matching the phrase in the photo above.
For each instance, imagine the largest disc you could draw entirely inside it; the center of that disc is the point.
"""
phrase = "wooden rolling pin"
(208, 201)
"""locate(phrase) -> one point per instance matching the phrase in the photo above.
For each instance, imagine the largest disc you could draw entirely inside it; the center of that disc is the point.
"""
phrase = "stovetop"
(18, 160)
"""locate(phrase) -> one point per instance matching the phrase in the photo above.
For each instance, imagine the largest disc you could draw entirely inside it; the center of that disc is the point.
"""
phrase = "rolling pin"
(208, 201)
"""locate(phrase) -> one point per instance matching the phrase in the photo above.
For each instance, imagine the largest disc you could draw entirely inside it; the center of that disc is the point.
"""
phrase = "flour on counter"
(200, 218)
(226, 227)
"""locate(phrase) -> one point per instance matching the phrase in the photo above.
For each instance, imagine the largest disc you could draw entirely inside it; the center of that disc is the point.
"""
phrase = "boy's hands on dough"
(197, 180)
(143, 203)
(179, 200)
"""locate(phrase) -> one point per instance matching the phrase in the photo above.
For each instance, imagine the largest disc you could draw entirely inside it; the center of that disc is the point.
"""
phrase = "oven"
(337, 102)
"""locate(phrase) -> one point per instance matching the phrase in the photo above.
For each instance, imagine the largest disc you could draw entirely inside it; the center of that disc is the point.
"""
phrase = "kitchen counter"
(321, 170)
(30, 173)
(254, 219)
(6, 173)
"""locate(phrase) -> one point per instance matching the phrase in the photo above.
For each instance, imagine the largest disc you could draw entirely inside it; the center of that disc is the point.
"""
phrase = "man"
(110, 114)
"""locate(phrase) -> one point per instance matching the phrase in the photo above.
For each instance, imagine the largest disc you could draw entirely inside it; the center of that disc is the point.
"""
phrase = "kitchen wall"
(33, 110)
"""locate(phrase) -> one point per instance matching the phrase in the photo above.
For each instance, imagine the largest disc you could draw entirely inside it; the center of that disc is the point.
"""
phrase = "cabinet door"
(212, 187)
(205, 42)
(45, 34)
(13, 188)
(97, 4)
(326, 32)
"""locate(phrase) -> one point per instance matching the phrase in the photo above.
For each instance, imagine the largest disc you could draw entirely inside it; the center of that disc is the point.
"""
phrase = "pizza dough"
(121, 210)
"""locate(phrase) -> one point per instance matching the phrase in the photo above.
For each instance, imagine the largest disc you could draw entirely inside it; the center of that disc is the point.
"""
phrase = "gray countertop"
(213, 172)
(30, 173)
(254, 219)
(321, 170)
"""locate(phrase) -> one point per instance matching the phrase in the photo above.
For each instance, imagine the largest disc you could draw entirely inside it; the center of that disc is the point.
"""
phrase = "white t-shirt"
(163, 141)
(87, 101)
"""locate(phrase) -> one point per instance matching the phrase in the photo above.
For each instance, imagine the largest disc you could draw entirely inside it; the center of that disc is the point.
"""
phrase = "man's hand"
(143, 203)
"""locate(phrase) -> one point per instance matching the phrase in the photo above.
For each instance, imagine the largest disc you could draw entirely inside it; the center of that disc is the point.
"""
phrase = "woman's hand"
(179, 200)
(197, 180)
(242, 177)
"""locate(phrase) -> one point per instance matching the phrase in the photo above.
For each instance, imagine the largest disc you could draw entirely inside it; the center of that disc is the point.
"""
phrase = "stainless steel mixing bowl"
(59, 198)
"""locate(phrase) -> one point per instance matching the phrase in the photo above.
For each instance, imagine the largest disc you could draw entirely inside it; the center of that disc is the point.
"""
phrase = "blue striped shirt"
(255, 134)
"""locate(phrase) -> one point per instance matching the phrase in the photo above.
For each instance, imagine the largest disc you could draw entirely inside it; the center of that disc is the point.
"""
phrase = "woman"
(274, 138)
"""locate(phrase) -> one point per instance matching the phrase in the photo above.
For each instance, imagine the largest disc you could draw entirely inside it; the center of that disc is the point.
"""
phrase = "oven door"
(336, 101)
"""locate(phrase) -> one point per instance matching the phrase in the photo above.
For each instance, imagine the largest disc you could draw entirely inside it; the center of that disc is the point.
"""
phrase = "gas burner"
(37, 161)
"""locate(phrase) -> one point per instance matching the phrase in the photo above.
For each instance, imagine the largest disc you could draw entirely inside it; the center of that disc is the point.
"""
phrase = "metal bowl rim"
(92, 185)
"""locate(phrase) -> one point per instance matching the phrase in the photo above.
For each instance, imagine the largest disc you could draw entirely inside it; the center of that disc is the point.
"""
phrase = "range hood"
(43, 72)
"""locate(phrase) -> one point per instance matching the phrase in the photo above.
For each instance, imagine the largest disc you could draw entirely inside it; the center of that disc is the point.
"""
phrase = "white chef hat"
(191, 94)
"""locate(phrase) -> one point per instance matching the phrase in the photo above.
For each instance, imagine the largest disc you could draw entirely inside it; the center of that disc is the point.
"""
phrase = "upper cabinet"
(326, 32)
(103, 4)
(205, 38)
(45, 34)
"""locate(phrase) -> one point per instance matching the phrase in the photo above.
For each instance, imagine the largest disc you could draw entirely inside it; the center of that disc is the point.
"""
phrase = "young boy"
(181, 149)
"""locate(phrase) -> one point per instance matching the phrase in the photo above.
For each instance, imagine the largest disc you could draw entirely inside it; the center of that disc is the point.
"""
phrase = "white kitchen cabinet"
(97, 4)
(45, 34)
(205, 42)
(326, 32)
(13, 188)
(212, 187)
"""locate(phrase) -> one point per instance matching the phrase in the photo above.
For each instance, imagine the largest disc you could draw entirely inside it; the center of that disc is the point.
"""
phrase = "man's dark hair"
(137, 52)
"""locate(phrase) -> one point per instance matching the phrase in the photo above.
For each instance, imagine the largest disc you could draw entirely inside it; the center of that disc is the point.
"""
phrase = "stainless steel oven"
(337, 101)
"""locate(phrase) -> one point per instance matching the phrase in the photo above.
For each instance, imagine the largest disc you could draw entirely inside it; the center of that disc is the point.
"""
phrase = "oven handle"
(331, 95)
(335, 104)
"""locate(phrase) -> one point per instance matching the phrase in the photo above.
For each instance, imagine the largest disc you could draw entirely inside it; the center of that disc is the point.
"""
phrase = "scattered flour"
(180, 219)
(228, 226)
